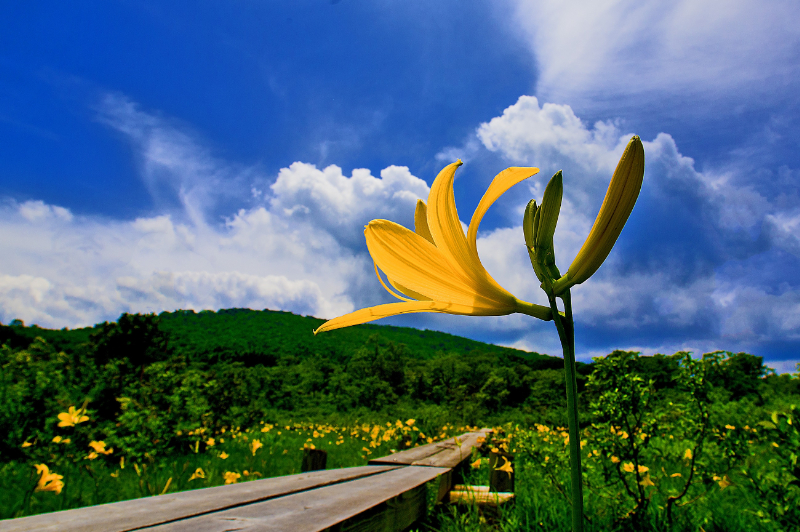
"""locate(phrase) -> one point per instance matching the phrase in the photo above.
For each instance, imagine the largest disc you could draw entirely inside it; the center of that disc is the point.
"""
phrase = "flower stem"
(566, 333)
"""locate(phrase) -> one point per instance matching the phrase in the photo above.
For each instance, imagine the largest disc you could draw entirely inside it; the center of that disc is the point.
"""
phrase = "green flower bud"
(551, 207)
(528, 228)
(617, 206)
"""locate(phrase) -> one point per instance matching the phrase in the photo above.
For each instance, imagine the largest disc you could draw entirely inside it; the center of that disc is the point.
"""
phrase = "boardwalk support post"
(314, 460)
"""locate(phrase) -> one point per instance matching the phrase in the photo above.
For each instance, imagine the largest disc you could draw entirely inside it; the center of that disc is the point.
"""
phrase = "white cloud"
(785, 230)
(611, 51)
(301, 250)
(716, 214)
(341, 204)
(297, 244)
(37, 210)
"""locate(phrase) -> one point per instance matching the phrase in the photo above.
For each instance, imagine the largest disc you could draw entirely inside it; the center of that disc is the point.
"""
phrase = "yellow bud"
(617, 206)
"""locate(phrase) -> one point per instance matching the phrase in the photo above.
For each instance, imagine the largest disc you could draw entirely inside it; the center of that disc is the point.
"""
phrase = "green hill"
(263, 336)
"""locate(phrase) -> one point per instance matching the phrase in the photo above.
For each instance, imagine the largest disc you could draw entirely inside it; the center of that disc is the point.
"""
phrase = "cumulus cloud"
(296, 245)
(340, 204)
(687, 271)
(605, 53)
(701, 265)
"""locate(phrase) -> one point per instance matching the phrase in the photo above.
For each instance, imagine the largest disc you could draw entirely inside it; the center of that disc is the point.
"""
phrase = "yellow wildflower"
(198, 473)
(255, 445)
(614, 460)
(231, 478)
(476, 464)
(506, 467)
(48, 481)
(26, 444)
(647, 481)
(436, 267)
(72, 417)
(687, 455)
(210, 442)
(99, 447)
(730, 427)
(223, 455)
(628, 467)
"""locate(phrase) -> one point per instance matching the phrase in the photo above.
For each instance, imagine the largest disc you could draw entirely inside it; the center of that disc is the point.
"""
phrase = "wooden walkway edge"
(387, 494)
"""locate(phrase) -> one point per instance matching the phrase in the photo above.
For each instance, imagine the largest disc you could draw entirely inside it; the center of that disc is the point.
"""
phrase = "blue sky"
(156, 156)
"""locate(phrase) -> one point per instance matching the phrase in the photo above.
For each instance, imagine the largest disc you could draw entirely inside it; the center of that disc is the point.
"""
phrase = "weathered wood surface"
(480, 495)
(389, 494)
(389, 501)
(446, 453)
(138, 513)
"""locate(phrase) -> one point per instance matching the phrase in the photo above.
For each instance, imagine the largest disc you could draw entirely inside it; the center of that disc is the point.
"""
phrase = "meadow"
(132, 409)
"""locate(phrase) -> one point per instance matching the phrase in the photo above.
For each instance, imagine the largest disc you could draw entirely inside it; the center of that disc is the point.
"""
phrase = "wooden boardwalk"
(388, 494)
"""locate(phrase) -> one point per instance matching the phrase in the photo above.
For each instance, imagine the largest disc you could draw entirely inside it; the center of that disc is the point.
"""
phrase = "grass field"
(731, 501)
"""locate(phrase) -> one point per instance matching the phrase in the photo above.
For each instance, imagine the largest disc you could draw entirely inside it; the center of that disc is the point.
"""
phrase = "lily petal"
(499, 186)
(421, 221)
(415, 263)
(445, 225)
(408, 292)
(394, 309)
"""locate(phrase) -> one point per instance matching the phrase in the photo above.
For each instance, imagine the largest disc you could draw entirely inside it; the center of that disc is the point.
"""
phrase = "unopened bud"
(548, 217)
(617, 206)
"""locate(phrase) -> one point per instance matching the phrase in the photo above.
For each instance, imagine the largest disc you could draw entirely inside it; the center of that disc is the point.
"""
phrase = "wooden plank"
(149, 511)
(412, 455)
(445, 453)
(389, 501)
(480, 495)
(453, 456)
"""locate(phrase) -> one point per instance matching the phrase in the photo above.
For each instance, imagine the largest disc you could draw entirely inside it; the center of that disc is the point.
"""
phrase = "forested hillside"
(145, 377)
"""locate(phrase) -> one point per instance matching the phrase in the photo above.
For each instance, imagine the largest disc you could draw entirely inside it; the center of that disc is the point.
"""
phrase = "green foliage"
(143, 374)
(672, 457)
(154, 388)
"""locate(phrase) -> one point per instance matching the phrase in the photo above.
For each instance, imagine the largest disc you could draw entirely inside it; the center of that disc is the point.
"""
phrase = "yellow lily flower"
(436, 267)
(647, 481)
(72, 417)
(100, 447)
(48, 481)
(506, 466)
(231, 477)
(255, 445)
